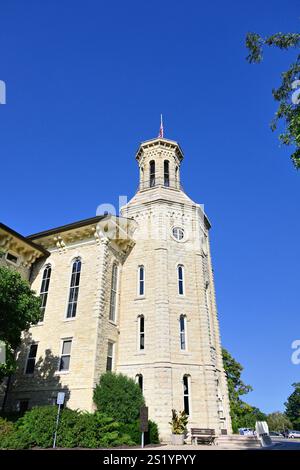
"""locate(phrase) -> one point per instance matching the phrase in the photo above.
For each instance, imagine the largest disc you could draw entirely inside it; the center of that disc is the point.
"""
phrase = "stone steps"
(235, 440)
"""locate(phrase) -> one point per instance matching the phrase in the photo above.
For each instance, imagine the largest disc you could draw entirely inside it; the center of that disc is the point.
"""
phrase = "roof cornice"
(160, 142)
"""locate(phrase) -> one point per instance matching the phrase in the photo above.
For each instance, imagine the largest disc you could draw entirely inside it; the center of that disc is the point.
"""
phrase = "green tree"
(242, 414)
(119, 397)
(278, 421)
(289, 102)
(19, 309)
(292, 406)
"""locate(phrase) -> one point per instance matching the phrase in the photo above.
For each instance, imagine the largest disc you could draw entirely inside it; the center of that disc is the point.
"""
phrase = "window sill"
(69, 319)
(140, 297)
(113, 323)
(61, 372)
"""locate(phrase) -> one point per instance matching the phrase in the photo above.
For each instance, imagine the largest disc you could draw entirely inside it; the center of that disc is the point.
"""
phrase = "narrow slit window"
(152, 173)
(141, 281)
(141, 332)
(180, 273)
(110, 356)
(182, 328)
(166, 173)
(186, 394)
(139, 381)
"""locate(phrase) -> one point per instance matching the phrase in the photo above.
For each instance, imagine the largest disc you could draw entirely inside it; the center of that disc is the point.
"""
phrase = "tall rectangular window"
(180, 273)
(166, 173)
(141, 281)
(64, 364)
(31, 359)
(74, 288)
(113, 293)
(186, 396)
(141, 332)
(45, 289)
(182, 321)
(152, 173)
(110, 356)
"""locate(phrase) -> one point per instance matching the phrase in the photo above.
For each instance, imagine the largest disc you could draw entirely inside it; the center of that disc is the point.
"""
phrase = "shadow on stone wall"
(42, 386)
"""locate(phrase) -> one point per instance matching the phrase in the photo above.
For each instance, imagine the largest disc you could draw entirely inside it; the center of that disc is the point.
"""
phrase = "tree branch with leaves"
(286, 94)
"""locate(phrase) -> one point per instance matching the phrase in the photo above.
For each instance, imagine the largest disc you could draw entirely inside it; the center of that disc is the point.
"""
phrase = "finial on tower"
(161, 129)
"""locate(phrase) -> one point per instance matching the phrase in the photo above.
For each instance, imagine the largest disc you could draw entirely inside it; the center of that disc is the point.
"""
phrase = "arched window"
(182, 332)
(113, 293)
(186, 394)
(141, 337)
(141, 281)
(166, 173)
(74, 288)
(45, 289)
(139, 380)
(152, 173)
(180, 274)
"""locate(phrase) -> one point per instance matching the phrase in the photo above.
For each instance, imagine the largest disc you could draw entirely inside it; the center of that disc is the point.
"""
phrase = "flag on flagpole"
(161, 129)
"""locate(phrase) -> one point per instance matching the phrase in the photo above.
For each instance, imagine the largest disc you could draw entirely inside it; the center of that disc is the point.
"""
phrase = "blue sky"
(87, 81)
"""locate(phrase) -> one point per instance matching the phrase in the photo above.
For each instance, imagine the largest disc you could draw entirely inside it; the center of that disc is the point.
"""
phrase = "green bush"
(133, 430)
(6, 429)
(97, 430)
(119, 397)
(76, 429)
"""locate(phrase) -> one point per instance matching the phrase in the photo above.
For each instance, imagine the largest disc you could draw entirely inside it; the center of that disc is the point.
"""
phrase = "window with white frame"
(182, 332)
(180, 275)
(141, 338)
(64, 363)
(141, 281)
(30, 364)
(12, 258)
(45, 289)
(74, 288)
(186, 394)
(110, 356)
(113, 293)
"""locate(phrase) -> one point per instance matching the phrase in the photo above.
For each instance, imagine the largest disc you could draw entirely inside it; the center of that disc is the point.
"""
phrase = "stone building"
(132, 294)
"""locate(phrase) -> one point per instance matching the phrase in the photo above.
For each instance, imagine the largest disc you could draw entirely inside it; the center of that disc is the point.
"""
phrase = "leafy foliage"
(19, 309)
(179, 422)
(76, 429)
(292, 406)
(133, 430)
(288, 109)
(6, 428)
(119, 397)
(278, 422)
(242, 414)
